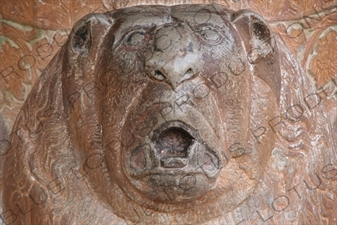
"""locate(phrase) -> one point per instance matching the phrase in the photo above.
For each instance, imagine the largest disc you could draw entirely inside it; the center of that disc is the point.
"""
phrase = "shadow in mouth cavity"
(175, 147)
(172, 147)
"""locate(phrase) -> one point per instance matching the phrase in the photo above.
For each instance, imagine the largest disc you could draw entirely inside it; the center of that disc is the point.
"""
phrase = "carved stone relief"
(187, 114)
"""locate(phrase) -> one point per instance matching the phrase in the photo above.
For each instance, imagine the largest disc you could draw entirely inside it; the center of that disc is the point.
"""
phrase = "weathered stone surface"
(53, 14)
(172, 115)
(31, 33)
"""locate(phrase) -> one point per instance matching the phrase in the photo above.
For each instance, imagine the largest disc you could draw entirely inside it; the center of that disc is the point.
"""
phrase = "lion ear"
(82, 38)
(260, 47)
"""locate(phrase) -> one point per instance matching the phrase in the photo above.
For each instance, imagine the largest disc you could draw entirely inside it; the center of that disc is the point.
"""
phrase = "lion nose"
(174, 59)
(171, 75)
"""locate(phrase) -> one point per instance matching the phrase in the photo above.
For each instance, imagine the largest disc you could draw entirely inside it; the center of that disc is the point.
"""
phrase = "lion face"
(171, 115)
(177, 82)
(179, 142)
(160, 109)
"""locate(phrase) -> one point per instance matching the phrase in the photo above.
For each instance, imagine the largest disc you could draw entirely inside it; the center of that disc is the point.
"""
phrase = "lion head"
(169, 115)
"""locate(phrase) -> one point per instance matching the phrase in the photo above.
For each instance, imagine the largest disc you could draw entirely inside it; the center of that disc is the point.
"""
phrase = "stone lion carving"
(189, 114)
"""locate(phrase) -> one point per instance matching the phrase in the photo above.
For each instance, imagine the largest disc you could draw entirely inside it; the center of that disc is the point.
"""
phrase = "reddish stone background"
(32, 31)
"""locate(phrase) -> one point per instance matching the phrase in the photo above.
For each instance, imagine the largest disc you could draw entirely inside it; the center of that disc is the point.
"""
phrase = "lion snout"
(175, 58)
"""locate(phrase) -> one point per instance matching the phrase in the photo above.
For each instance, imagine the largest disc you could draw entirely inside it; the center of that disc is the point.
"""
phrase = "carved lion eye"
(210, 35)
(158, 75)
(135, 38)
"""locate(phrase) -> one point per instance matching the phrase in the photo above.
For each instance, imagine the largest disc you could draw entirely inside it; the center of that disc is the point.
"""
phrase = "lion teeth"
(173, 162)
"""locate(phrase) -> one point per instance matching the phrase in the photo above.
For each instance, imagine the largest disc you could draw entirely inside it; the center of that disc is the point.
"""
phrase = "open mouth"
(176, 147)
(172, 147)
(175, 160)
